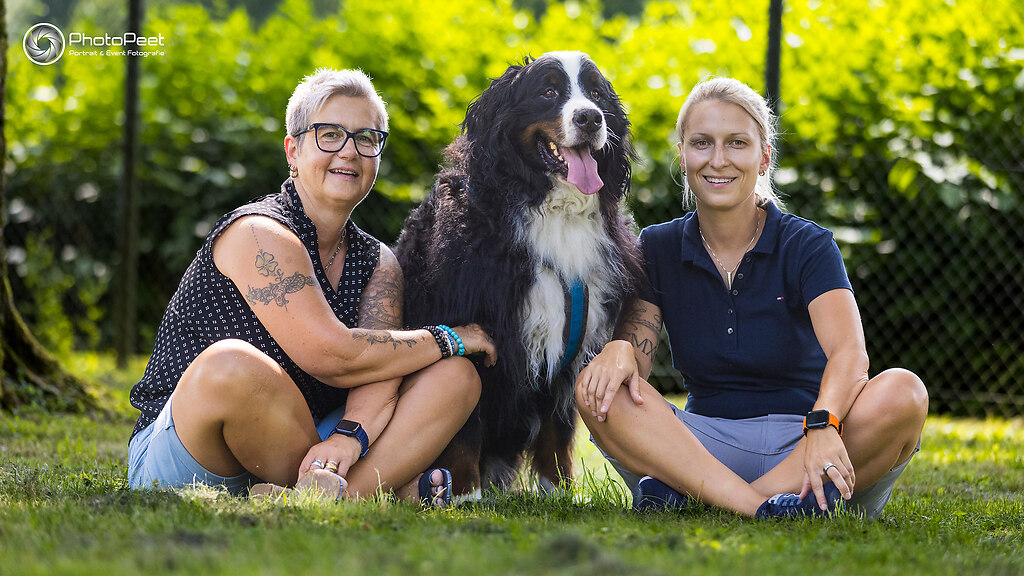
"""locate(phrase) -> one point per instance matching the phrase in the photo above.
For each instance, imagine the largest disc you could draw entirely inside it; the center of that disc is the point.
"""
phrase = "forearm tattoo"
(633, 325)
(381, 305)
(374, 337)
(280, 286)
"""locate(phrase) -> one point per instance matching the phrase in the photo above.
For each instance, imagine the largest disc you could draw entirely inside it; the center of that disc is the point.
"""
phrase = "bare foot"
(324, 485)
(433, 488)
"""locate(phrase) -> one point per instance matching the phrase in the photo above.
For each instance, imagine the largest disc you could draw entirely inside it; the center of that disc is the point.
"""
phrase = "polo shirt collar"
(693, 247)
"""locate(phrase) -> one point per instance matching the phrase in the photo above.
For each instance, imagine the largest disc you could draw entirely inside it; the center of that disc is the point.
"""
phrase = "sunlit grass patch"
(65, 508)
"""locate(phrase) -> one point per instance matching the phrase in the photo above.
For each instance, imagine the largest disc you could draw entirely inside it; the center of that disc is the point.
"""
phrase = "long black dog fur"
(465, 260)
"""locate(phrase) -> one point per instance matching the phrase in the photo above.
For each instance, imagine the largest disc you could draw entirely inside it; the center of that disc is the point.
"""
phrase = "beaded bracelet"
(451, 332)
(448, 338)
(441, 337)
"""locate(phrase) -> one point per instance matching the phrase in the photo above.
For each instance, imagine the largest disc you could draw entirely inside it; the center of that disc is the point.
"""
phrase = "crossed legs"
(883, 425)
(236, 409)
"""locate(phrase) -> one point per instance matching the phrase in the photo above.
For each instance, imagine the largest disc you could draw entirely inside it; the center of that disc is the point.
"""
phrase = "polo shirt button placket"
(730, 328)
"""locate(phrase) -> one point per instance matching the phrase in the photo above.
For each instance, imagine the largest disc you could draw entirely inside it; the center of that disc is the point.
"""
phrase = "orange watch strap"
(833, 421)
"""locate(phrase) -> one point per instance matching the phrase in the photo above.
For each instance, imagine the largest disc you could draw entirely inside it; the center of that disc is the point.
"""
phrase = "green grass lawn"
(65, 509)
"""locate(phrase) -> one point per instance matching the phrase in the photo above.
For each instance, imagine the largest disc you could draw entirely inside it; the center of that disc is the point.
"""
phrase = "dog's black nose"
(587, 119)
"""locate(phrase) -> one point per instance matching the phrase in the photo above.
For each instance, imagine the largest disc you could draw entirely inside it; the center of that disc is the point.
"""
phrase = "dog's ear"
(487, 138)
(482, 111)
(614, 160)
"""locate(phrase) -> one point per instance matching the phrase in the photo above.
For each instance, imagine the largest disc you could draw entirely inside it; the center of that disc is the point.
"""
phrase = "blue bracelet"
(458, 341)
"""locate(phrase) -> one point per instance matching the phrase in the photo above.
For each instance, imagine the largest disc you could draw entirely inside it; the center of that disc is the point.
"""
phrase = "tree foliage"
(901, 129)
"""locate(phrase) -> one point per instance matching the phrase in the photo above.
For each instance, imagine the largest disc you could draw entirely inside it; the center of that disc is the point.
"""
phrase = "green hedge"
(901, 129)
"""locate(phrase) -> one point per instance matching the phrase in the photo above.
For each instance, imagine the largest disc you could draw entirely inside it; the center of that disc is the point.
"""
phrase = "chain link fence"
(938, 280)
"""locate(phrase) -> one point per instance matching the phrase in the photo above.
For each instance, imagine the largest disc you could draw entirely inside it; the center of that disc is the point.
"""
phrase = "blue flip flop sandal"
(427, 495)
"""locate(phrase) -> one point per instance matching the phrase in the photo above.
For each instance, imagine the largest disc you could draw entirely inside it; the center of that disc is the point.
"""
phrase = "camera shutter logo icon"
(44, 44)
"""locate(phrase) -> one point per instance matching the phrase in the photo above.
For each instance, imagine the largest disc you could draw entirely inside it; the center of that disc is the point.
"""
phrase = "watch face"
(347, 427)
(817, 419)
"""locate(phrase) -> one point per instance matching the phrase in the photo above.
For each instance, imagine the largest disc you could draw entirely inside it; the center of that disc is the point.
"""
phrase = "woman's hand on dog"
(601, 379)
(477, 341)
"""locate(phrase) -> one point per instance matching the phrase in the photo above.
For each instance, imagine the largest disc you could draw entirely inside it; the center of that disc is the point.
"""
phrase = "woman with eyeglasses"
(281, 357)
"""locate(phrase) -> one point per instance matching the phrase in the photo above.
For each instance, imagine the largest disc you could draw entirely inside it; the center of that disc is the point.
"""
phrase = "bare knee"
(229, 369)
(455, 379)
(899, 394)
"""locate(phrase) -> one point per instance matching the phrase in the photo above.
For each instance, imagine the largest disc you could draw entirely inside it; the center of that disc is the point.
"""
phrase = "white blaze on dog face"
(582, 119)
(581, 127)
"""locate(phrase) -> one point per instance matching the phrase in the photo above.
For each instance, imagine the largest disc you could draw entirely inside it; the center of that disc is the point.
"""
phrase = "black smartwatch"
(818, 419)
(354, 430)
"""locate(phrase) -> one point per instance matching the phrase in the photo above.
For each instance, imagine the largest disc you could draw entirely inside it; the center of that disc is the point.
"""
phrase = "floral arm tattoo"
(279, 286)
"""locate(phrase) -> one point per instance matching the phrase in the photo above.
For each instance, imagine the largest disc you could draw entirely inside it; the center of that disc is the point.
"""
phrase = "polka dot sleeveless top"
(207, 307)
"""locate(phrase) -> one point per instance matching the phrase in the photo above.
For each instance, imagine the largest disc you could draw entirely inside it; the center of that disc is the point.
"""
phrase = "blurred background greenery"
(902, 125)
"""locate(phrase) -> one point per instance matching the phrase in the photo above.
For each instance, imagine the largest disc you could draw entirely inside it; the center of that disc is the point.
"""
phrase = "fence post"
(772, 66)
(128, 249)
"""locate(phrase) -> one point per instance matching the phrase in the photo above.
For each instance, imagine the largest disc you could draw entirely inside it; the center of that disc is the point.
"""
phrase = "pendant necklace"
(341, 242)
(728, 274)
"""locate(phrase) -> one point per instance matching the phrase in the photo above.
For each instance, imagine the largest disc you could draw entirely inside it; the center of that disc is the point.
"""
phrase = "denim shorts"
(751, 447)
(157, 459)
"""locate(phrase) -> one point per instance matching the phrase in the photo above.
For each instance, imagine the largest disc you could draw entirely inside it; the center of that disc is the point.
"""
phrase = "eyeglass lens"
(331, 138)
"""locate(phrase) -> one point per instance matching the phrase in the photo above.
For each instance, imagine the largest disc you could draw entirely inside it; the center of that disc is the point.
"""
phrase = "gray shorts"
(157, 459)
(751, 447)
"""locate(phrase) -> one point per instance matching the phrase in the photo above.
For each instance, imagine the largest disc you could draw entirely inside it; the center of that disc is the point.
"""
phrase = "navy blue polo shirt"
(751, 350)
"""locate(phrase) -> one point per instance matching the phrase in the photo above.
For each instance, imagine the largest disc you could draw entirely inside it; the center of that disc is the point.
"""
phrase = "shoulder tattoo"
(280, 286)
(381, 305)
(276, 291)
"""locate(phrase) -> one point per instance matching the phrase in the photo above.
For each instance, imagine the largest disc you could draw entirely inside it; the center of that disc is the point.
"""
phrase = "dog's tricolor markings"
(523, 234)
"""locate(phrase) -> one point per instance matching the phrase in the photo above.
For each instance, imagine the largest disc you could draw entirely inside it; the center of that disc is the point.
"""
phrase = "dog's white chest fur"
(568, 241)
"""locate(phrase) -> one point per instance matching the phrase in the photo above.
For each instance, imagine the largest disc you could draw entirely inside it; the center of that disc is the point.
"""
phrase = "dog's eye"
(595, 93)
(550, 93)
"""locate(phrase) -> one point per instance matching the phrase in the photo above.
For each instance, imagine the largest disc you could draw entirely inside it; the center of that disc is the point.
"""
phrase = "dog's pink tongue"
(582, 169)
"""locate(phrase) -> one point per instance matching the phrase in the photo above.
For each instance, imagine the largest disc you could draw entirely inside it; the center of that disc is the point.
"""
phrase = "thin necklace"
(341, 242)
(728, 274)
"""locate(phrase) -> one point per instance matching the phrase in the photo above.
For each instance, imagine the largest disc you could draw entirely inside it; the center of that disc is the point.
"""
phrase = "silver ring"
(318, 463)
(827, 466)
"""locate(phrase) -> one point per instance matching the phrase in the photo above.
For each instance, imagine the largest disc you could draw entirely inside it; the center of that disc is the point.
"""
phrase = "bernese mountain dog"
(523, 234)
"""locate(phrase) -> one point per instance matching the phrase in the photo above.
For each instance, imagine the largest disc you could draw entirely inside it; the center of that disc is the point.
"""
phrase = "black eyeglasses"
(331, 138)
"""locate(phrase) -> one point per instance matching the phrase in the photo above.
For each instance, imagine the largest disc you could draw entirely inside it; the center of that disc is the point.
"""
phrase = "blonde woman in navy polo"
(781, 418)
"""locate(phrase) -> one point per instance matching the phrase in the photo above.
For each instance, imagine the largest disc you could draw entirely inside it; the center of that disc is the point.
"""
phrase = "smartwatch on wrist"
(818, 419)
(354, 430)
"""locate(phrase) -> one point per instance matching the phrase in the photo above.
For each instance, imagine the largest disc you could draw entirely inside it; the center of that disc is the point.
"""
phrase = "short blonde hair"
(733, 91)
(316, 89)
